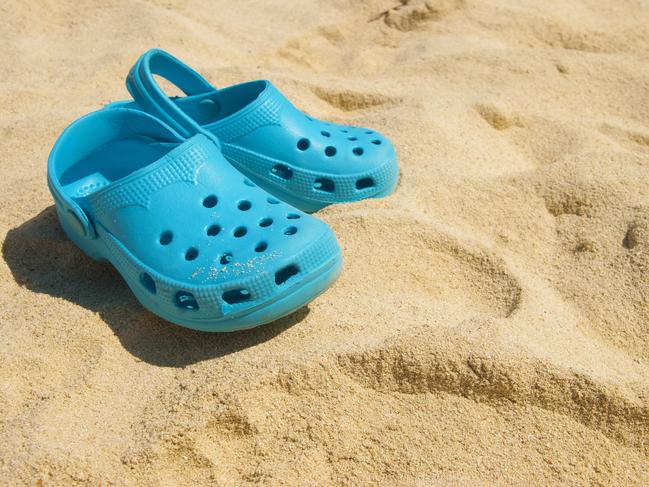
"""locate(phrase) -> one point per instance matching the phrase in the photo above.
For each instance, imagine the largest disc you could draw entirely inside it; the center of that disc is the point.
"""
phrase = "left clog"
(196, 241)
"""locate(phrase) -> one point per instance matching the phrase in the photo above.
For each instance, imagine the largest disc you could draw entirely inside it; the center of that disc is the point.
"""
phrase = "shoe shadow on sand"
(42, 259)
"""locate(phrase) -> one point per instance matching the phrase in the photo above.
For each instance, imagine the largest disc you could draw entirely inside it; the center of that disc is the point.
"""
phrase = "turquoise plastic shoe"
(303, 161)
(197, 242)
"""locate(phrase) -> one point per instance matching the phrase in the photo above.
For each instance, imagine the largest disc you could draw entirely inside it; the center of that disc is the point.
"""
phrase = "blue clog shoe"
(306, 162)
(197, 242)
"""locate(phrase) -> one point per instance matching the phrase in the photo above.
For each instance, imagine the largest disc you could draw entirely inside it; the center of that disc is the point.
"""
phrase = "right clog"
(304, 161)
(197, 242)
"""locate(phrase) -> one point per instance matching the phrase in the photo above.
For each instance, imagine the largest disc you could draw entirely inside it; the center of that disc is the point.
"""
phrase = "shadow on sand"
(42, 259)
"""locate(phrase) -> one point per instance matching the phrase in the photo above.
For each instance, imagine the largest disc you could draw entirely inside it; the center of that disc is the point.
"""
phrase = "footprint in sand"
(637, 235)
(413, 14)
(447, 366)
(540, 140)
(633, 140)
(497, 118)
(349, 100)
(558, 35)
(422, 266)
(212, 450)
(406, 380)
(600, 219)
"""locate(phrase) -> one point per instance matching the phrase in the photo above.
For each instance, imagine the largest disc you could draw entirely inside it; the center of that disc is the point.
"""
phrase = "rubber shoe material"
(198, 243)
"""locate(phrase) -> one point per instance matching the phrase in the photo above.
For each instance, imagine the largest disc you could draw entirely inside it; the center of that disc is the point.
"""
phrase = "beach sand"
(491, 324)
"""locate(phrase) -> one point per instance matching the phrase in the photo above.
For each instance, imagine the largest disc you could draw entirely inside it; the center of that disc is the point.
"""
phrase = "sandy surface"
(491, 325)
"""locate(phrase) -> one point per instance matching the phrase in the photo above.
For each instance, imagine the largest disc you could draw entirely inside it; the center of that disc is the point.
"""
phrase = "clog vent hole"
(284, 274)
(148, 283)
(364, 183)
(185, 300)
(324, 184)
(282, 171)
(236, 296)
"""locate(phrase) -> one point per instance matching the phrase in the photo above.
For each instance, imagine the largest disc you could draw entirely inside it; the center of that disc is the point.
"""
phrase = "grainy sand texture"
(491, 325)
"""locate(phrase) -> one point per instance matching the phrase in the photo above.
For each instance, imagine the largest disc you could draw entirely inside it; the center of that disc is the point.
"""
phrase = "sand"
(491, 325)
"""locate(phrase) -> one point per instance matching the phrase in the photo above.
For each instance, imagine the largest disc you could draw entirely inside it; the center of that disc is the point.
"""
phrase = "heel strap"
(145, 90)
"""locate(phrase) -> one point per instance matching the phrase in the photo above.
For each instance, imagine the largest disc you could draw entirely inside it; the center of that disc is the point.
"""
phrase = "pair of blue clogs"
(194, 199)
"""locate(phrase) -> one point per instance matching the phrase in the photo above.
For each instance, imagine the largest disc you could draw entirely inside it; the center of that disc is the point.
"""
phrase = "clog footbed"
(303, 161)
(197, 242)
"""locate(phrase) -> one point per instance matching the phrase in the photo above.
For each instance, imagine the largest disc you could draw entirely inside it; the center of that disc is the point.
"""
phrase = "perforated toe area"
(346, 151)
(238, 253)
(341, 141)
(304, 158)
